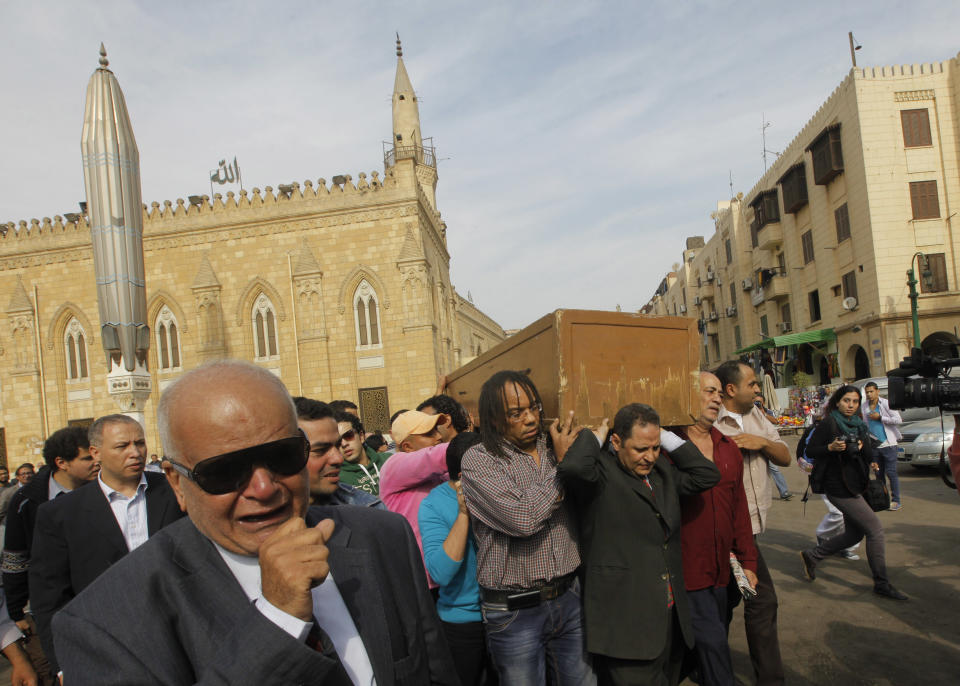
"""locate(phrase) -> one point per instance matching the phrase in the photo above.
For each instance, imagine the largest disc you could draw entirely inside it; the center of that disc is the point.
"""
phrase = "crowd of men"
(283, 544)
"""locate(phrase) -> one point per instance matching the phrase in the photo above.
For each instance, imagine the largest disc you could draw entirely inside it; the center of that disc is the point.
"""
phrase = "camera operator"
(842, 458)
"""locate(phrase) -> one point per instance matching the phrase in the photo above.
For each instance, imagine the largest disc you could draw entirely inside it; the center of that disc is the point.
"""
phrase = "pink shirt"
(407, 478)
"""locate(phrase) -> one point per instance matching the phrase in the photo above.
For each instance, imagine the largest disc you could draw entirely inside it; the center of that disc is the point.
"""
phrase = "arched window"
(264, 329)
(75, 347)
(168, 340)
(367, 309)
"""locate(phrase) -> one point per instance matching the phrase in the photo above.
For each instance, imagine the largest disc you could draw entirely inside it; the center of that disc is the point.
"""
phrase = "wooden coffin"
(594, 363)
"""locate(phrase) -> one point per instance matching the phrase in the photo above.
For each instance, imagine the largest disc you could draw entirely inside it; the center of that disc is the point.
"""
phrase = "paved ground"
(834, 630)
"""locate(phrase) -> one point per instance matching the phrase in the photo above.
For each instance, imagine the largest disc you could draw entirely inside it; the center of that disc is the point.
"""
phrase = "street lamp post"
(924, 265)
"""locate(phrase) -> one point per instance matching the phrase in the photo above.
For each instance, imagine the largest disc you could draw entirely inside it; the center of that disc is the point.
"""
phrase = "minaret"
(406, 113)
(407, 139)
(111, 172)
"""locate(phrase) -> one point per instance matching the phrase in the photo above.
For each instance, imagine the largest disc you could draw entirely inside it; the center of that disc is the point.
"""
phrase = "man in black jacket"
(628, 504)
(69, 465)
(252, 587)
(78, 536)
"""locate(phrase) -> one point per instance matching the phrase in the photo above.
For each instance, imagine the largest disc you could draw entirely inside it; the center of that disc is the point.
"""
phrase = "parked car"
(923, 441)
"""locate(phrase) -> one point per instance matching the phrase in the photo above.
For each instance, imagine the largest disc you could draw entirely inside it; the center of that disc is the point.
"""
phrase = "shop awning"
(765, 343)
(790, 339)
(804, 337)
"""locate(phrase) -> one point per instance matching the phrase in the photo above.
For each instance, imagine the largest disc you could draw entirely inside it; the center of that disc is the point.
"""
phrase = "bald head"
(220, 395)
(710, 398)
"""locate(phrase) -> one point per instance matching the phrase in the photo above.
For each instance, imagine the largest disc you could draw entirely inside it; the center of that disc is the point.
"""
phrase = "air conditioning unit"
(713, 316)
(732, 311)
(697, 300)
(683, 309)
(784, 327)
(710, 275)
(746, 284)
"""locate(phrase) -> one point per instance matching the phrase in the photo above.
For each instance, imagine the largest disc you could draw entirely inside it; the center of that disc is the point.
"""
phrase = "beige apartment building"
(807, 270)
(341, 288)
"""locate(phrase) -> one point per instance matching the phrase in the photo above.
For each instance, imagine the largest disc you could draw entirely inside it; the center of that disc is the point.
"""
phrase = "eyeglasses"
(347, 437)
(515, 416)
(228, 473)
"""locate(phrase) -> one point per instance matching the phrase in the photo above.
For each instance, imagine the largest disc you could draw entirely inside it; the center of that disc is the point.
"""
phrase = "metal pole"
(853, 55)
(912, 284)
(43, 379)
(296, 336)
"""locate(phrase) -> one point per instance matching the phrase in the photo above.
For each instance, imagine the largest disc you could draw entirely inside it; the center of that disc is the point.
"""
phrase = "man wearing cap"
(419, 465)
(252, 587)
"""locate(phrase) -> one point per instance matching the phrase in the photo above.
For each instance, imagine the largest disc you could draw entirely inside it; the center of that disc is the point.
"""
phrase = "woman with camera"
(842, 458)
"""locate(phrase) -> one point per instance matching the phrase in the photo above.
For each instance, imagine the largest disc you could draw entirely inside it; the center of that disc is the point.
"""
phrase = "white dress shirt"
(328, 609)
(130, 513)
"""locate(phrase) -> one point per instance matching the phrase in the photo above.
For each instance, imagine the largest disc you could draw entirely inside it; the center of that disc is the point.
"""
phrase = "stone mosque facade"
(340, 288)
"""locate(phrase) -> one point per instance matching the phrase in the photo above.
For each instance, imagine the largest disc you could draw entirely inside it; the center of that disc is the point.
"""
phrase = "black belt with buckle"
(517, 599)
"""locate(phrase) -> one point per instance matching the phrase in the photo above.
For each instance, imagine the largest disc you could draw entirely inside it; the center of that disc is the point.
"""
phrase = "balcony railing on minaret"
(424, 154)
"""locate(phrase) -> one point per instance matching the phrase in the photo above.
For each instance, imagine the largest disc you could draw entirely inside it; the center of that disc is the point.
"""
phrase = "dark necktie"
(320, 641)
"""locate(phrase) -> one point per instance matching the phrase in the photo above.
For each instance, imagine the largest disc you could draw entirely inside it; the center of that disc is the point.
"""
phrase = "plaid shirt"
(525, 534)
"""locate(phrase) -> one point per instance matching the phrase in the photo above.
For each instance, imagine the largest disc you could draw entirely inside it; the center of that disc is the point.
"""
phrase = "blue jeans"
(524, 643)
(887, 461)
(778, 479)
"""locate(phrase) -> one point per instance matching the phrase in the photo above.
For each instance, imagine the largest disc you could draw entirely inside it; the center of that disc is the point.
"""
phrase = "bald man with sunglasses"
(252, 587)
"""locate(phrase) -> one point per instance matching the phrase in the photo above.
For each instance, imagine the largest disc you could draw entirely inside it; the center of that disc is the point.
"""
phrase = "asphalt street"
(835, 630)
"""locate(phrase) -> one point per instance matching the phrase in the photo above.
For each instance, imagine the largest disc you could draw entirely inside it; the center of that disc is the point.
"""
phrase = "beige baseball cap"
(413, 422)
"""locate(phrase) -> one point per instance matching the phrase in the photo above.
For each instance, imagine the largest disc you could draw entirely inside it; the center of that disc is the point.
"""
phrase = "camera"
(923, 380)
(852, 441)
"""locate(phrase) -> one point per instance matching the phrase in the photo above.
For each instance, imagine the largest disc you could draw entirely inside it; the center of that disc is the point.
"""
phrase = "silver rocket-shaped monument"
(111, 171)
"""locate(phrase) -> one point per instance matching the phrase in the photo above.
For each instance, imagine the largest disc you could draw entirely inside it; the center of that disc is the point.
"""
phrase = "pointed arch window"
(75, 349)
(366, 307)
(168, 340)
(264, 320)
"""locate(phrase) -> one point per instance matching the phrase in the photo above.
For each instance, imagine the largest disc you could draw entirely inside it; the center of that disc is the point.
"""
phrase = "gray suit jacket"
(172, 613)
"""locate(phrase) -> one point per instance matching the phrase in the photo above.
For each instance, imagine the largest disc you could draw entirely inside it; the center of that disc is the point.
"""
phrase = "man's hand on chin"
(293, 560)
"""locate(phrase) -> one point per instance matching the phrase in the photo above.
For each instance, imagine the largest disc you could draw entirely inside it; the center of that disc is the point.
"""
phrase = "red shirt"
(716, 522)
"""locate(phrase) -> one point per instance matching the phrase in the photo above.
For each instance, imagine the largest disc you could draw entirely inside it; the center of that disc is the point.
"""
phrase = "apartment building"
(807, 271)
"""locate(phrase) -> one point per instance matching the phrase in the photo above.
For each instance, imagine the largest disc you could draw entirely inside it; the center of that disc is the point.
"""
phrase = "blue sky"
(579, 142)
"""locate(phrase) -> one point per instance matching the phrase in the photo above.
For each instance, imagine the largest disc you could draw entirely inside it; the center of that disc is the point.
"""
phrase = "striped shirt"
(525, 534)
(130, 513)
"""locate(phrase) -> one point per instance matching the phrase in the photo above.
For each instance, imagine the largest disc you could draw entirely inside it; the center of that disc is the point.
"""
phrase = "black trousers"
(708, 612)
(468, 647)
(760, 621)
(663, 670)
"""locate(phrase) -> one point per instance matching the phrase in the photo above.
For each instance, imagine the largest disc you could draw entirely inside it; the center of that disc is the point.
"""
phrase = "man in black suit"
(80, 534)
(252, 587)
(628, 505)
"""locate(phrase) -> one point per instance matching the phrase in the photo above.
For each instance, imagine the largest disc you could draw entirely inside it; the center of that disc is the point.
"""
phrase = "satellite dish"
(849, 303)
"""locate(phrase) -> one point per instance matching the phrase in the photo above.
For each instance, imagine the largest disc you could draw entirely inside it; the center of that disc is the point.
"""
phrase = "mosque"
(341, 288)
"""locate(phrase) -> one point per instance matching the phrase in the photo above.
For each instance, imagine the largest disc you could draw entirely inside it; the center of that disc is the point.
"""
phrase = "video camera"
(934, 388)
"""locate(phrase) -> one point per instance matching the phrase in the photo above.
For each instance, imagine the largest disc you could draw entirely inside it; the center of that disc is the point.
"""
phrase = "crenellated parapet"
(342, 192)
(285, 199)
(24, 230)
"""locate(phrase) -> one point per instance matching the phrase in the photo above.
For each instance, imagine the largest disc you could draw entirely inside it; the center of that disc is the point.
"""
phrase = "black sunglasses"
(229, 472)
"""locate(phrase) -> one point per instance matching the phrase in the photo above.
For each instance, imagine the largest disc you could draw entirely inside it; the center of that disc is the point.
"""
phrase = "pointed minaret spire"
(406, 113)
(111, 174)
